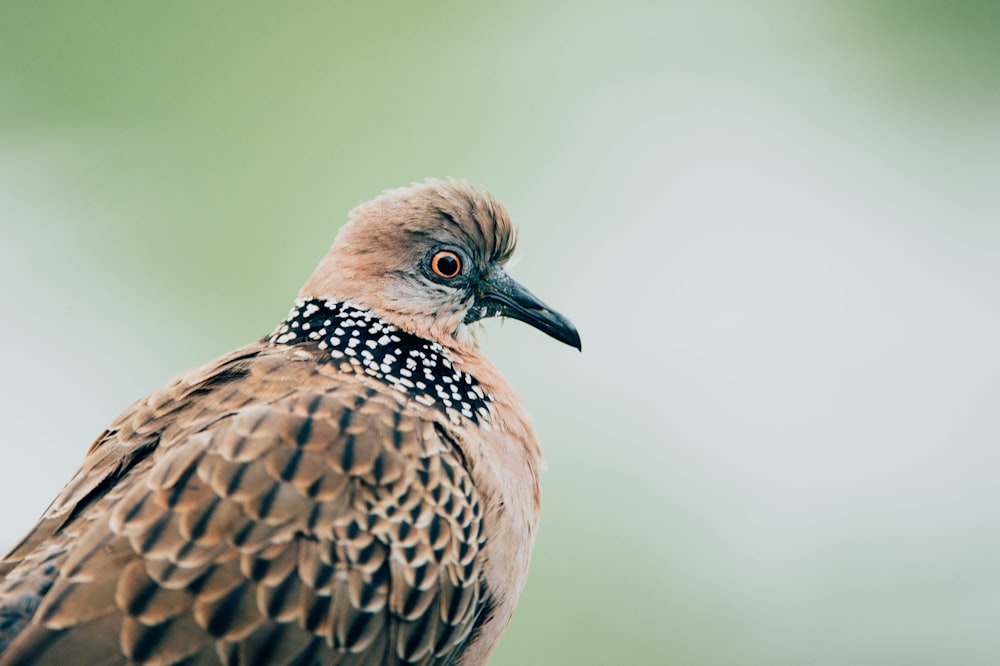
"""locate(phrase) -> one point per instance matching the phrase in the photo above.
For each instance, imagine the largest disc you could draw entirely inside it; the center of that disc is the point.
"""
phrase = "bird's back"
(280, 505)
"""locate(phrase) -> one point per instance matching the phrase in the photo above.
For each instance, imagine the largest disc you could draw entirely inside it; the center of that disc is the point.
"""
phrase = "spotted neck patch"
(410, 364)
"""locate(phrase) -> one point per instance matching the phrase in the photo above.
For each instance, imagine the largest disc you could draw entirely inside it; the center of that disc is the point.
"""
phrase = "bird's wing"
(259, 510)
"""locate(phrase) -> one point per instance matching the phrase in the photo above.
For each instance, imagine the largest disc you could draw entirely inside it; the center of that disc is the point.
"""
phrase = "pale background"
(776, 225)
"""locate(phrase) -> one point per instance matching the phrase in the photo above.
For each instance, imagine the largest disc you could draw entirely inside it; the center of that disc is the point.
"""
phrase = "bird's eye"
(446, 264)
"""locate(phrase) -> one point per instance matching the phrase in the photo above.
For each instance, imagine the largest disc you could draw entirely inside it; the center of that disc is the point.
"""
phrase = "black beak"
(503, 297)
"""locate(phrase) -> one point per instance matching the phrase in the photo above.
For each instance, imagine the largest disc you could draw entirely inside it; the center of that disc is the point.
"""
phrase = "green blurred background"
(776, 224)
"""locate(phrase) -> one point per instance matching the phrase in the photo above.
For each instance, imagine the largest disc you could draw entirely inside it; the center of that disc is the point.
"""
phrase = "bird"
(360, 486)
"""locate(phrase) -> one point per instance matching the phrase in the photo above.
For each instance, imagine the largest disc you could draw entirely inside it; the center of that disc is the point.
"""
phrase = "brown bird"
(359, 487)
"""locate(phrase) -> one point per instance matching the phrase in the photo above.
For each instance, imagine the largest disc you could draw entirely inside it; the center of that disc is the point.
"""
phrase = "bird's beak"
(502, 296)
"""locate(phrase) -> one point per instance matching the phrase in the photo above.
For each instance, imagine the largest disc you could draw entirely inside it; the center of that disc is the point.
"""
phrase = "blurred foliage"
(932, 49)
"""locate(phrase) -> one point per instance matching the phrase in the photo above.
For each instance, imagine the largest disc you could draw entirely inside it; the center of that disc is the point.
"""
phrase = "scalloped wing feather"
(257, 510)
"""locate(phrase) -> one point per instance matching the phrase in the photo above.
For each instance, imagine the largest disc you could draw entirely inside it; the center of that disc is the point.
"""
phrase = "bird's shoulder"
(265, 493)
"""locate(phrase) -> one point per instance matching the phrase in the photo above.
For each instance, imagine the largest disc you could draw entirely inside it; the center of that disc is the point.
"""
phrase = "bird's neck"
(359, 341)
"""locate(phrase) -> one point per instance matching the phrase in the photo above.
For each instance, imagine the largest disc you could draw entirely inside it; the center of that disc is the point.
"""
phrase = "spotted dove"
(359, 487)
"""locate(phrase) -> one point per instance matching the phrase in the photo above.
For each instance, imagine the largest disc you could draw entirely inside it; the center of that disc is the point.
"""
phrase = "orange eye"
(446, 264)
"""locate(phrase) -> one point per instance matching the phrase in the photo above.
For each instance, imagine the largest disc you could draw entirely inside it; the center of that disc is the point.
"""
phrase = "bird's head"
(431, 259)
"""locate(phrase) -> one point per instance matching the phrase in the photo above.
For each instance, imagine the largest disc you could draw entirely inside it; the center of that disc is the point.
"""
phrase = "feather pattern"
(359, 487)
(329, 512)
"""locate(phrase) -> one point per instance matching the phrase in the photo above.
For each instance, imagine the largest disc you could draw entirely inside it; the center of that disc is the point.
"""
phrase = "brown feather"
(284, 504)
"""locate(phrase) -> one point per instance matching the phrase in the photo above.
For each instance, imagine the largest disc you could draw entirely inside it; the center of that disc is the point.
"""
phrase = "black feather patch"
(359, 340)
